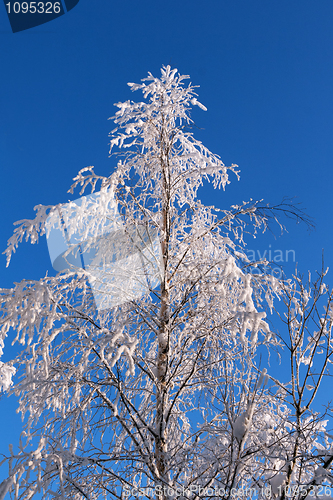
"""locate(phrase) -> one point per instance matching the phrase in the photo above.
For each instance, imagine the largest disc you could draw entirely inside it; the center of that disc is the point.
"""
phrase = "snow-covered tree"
(141, 368)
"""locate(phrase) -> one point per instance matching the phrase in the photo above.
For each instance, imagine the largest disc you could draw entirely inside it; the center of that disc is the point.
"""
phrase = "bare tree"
(139, 373)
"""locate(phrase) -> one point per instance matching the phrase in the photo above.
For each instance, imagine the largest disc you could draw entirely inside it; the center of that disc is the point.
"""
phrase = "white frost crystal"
(6, 374)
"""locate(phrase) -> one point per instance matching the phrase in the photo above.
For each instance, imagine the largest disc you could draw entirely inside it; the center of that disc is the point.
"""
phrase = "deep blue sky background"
(265, 70)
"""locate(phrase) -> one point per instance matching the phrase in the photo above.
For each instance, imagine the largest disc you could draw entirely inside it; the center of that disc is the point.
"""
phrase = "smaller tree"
(305, 465)
(162, 391)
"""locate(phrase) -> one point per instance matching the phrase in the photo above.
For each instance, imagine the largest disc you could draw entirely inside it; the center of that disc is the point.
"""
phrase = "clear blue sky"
(265, 70)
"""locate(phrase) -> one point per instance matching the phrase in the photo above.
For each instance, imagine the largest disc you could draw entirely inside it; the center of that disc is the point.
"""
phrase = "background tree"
(164, 391)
